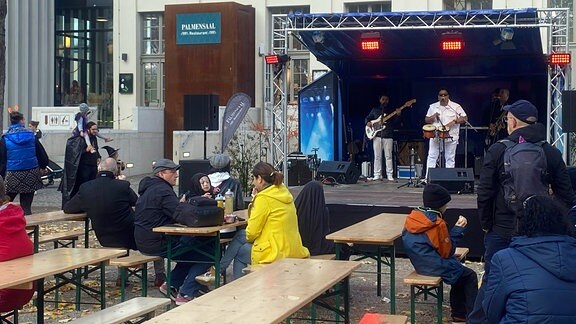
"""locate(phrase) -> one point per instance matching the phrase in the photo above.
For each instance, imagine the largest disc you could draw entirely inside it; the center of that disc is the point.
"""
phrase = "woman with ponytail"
(272, 231)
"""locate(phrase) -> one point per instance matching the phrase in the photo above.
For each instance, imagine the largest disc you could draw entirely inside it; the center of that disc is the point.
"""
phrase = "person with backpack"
(515, 168)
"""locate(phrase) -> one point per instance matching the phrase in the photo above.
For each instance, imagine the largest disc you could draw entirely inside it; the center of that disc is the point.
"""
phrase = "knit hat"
(435, 196)
(219, 161)
(164, 164)
(84, 108)
(110, 150)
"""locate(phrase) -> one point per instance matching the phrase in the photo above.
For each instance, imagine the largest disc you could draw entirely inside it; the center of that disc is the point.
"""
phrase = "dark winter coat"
(492, 210)
(533, 281)
(108, 203)
(155, 207)
(424, 256)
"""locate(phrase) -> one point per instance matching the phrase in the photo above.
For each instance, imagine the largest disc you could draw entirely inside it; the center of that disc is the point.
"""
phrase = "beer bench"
(254, 267)
(134, 264)
(429, 285)
(62, 239)
(139, 307)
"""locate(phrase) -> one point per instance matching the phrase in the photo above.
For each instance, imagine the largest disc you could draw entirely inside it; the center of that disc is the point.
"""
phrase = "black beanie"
(435, 196)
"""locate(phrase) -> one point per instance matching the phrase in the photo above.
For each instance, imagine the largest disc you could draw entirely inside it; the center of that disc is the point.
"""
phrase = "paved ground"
(362, 283)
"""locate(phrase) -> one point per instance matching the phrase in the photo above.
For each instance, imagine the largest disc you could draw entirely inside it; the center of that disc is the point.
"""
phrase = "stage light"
(559, 59)
(320, 40)
(452, 41)
(276, 58)
(507, 33)
(370, 41)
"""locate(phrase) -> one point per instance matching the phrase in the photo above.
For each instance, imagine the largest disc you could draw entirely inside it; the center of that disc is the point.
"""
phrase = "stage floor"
(385, 193)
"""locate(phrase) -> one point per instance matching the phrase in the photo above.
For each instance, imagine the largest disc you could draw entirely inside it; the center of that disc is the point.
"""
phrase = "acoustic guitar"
(379, 123)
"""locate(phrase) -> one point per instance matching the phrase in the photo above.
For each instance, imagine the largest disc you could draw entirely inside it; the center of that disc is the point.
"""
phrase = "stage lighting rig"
(452, 41)
(276, 58)
(370, 41)
(559, 59)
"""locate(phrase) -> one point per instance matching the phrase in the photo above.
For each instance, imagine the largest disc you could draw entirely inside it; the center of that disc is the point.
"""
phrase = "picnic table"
(173, 231)
(381, 230)
(268, 295)
(21, 272)
(35, 220)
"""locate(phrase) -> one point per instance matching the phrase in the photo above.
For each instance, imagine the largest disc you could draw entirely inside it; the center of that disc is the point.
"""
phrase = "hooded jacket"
(14, 243)
(426, 239)
(533, 281)
(273, 226)
(492, 210)
(154, 208)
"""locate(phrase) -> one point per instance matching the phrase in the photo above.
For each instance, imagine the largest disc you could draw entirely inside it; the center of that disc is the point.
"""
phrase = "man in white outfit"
(444, 114)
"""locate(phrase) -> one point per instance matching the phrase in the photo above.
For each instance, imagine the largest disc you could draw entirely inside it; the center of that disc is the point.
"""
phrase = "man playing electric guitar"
(380, 124)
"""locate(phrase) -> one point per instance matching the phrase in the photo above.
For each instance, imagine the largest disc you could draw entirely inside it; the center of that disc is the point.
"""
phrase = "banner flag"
(236, 109)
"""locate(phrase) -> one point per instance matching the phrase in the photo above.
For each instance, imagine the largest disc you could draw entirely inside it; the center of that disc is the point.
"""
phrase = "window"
(383, 6)
(299, 68)
(152, 49)
(467, 4)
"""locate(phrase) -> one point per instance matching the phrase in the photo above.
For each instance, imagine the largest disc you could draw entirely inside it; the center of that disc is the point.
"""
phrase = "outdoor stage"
(351, 203)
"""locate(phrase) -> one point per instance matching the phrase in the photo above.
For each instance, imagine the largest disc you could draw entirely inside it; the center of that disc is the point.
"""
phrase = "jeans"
(239, 251)
(492, 244)
(463, 293)
(184, 274)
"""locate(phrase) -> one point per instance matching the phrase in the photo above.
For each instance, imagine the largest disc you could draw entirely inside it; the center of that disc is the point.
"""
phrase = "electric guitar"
(379, 123)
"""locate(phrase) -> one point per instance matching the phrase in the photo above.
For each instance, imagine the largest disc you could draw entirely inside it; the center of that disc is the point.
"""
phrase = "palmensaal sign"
(198, 28)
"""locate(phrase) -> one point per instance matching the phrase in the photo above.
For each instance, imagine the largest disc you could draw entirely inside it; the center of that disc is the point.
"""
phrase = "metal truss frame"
(553, 23)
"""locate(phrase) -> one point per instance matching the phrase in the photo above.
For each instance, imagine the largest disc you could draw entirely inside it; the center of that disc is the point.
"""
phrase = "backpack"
(525, 172)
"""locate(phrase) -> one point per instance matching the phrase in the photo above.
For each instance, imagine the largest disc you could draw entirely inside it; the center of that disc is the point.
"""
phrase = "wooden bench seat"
(62, 239)
(134, 308)
(134, 264)
(254, 267)
(375, 318)
(425, 285)
(461, 253)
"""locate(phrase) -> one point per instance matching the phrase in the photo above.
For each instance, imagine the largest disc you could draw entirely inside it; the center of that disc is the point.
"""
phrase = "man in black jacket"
(496, 219)
(108, 203)
(157, 207)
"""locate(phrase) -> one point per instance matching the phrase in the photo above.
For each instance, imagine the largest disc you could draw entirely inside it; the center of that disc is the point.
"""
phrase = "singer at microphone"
(446, 116)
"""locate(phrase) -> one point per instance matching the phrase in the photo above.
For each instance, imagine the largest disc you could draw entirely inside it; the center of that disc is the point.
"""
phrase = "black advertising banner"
(236, 109)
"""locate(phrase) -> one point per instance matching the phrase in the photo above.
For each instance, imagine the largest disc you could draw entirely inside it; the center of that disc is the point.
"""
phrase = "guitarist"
(383, 140)
(496, 119)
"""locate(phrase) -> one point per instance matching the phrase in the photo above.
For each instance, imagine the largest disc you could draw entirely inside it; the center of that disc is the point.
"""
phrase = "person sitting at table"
(200, 186)
(272, 231)
(534, 279)
(156, 207)
(431, 248)
(14, 243)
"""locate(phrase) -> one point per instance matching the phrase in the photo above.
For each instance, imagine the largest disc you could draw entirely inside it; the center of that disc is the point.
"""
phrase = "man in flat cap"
(156, 207)
(496, 218)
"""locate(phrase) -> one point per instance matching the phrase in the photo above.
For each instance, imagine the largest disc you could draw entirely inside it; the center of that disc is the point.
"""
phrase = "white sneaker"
(374, 178)
(390, 178)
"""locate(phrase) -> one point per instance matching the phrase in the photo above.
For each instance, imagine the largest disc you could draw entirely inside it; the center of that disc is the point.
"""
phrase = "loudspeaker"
(299, 173)
(187, 169)
(568, 111)
(342, 172)
(455, 180)
(200, 111)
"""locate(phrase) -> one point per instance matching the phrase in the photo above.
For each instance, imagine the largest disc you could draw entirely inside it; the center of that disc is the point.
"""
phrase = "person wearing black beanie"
(430, 247)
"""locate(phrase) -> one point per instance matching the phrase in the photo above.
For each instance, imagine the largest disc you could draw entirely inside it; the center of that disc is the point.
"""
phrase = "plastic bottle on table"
(220, 201)
(228, 202)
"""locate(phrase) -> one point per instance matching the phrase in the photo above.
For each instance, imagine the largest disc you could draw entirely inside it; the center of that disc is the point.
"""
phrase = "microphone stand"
(466, 126)
(441, 146)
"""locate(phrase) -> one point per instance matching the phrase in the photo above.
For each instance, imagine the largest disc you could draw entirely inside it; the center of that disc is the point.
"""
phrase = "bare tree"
(3, 12)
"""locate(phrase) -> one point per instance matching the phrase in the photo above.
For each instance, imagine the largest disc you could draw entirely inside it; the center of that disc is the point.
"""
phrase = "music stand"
(411, 182)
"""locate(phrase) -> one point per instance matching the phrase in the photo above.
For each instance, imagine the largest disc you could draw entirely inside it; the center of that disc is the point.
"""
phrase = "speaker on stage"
(455, 180)
(341, 171)
(200, 111)
(187, 169)
(299, 173)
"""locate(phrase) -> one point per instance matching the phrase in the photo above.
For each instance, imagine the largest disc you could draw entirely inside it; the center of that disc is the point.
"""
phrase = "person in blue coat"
(534, 280)
(431, 248)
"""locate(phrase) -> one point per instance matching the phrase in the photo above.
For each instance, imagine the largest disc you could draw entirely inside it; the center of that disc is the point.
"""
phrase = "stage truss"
(553, 24)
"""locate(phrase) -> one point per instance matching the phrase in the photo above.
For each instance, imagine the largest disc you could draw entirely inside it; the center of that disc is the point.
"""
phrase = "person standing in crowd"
(534, 281)
(23, 161)
(272, 231)
(431, 248)
(156, 207)
(14, 243)
(498, 221)
(445, 115)
(88, 164)
(383, 140)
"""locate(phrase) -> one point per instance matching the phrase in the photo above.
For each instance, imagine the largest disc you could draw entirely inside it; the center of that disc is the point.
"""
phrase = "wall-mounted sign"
(198, 28)
(126, 83)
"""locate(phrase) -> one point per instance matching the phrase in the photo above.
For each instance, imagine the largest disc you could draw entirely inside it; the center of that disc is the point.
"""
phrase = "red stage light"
(271, 59)
(370, 44)
(452, 45)
(560, 58)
